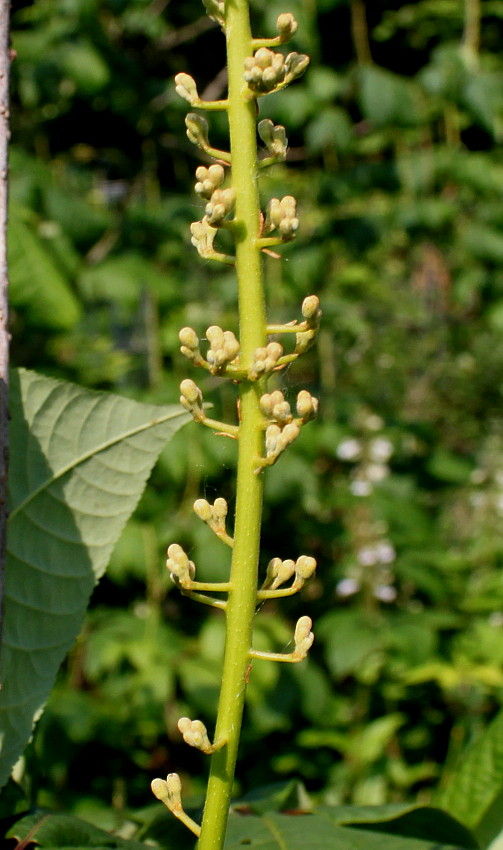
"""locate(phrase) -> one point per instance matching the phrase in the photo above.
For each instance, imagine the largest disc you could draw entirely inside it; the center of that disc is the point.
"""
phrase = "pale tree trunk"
(5, 58)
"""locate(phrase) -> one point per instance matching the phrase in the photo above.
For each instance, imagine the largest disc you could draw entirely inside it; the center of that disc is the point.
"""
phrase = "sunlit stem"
(244, 569)
(205, 600)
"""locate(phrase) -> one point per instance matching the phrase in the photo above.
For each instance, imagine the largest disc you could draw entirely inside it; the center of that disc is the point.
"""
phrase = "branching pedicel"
(267, 424)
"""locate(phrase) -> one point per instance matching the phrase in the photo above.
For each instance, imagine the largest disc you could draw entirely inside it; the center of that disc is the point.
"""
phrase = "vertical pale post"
(4, 312)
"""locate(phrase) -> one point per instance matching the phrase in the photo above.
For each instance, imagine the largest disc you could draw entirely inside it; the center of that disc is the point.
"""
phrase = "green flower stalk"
(267, 424)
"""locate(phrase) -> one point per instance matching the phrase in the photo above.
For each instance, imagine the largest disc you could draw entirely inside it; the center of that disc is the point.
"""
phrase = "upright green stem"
(242, 595)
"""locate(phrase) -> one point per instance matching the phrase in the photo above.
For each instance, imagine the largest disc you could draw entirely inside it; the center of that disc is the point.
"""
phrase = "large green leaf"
(474, 792)
(48, 830)
(320, 831)
(79, 463)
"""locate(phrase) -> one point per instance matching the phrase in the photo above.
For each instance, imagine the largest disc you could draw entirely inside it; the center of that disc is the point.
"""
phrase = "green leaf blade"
(80, 461)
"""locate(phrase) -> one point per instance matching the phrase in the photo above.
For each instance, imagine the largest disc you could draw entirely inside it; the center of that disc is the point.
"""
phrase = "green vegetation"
(397, 491)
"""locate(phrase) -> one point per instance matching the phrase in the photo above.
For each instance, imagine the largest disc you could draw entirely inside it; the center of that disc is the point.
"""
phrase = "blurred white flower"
(367, 556)
(360, 488)
(376, 471)
(380, 449)
(374, 422)
(385, 552)
(349, 449)
(385, 593)
(347, 587)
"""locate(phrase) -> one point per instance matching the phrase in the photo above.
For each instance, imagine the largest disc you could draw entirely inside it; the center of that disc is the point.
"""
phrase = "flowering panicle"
(267, 421)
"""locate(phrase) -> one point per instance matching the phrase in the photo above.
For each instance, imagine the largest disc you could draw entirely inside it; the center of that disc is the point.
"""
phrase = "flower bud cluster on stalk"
(277, 421)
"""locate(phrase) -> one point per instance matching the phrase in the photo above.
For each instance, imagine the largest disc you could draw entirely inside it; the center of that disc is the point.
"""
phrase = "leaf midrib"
(92, 453)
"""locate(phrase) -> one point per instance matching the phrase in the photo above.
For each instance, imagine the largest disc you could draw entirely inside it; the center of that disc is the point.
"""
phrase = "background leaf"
(79, 463)
(474, 791)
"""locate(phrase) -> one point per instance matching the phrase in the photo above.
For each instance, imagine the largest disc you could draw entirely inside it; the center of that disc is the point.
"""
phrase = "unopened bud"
(220, 508)
(311, 307)
(272, 436)
(282, 412)
(186, 88)
(303, 636)
(202, 509)
(286, 26)
(305, 567)
(289, 433)
(191, 394)
(307, 405)
(189, 338)
(169, 792)
(195, 734)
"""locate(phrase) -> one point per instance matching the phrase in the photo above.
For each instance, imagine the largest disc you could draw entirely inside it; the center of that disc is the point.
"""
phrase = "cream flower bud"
(274, 137)
(282, 412)
(303, 636)
(197, 130)
(272, 571)
(285, 572)
(272, 436)
(191, 392)
(215, 9)
(311, 307)
(286, 26)
(266, 404)
(220, 508)
(307, 405)
(195, 734)
(230, 345)
(181, 569)
(189, 338)
(220, 204)
(289, 433)
(295, 65)
(202, 509)
(169, 792)
(209, 179)
(215, 336)
(274, 350)
(186, 88)
(305, 567)
(203, 236)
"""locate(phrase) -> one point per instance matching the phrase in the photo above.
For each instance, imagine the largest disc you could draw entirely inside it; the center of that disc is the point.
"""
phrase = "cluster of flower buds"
(274, 406)
(274, 138)
(219, 206)
(203, 236)
(312, 315)
(192, 399)
(169, 792)
(213, 515)
(181, 570)
(279, 572)
(265, 360)
(195, 734)
(282, 216)
(303, 638)
(209, 179)
(215, 9)
(277, 439)
(266, 70)
(224, 348)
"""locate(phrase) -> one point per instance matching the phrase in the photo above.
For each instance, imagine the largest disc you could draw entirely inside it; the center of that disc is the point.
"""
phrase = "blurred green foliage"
(397, 490)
